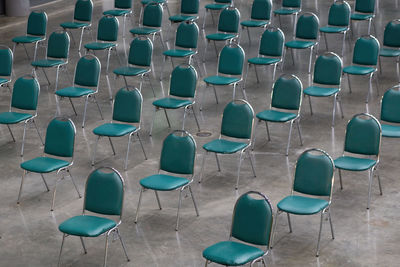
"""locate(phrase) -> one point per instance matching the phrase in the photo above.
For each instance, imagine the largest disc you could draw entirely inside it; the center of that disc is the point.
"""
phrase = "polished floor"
(29, 231)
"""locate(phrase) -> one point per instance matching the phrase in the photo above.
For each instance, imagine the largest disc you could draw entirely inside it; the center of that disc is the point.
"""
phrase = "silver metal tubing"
(194, 201)
(141, 144)
(179, 207)
(84, 111)
(98, 107)
(309, 62)
(37, 130)
(218, 165)
(299, 130)
(330, 222)
(379, 181)
(45, 183)
(73, 107)
(255, 69)
(215, 93)
(184, 117)
(202, 165)
(290, 135)
(138, 206)
(274, 229)
(166, 115)
(151, 85)
(127, 151)
(122, 243)
(158, 199)
(326, 42)
(54, 195)
(369, 187)
(20, 188)
(238, 171)
(73, 182)
(340, 179)
(59, 255)
(195, 118)
(334, 110)
(9, 129)
(348, 81)
(319, 234)
(83, 245)
(290, 224)
(23, 139)
(112, 145)
(254, 137)
(251, 163)
(105, 250)
(343, 43)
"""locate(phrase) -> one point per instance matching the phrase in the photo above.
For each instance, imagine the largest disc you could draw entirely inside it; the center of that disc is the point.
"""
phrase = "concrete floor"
(29, 231)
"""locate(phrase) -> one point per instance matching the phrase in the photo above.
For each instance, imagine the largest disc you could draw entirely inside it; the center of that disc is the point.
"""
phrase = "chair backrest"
(231, 60)
(178, 153)
(37, 23)
(223, 1)
(83, 10)
(390, 106)
(314, 173)
(108, 29)
(25, 93)
(261, 9)
(339, 13)
(87, 71)
(128, 105)
(187, 35)
(307, 26)
(152, 15)
(272, 42)
(123, 4)
(365, 6)
(252, 219)
(58, 45)
(141, 51)
(366, 50)
(237, 119)
(104, 192)
(391, 36)
(328, 69)
(190, 6)
(287, 92)
(291, 3)
(6, 59)
(183, 81)
(60, 137)
(363, 135)
(229, 20)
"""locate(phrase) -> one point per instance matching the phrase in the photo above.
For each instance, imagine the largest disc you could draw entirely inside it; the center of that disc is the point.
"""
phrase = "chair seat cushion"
(27, 39)
(180, 18)
(223, 146)
(263, 60)
(4, 81)
(47, 63)
(178, 53)
(216, 6)
(86, 225)
(114, 129)
(43, 164)
(387, 52)
(286, 11)
(390, 130)
(275, 115)
(172, 103)
(359, 16)
(130, 71)
(333, 29)
(254, 23)
(144, 30)
(354, 164)
(220, 36)
(117, 12)
(358, 70)
(299, 44)
(221, 80)
(231, 253)
(74, 25)
(320, 91)
(74, 91)
(301, 205)
(163, 182)
(13, 117)
(99, 46)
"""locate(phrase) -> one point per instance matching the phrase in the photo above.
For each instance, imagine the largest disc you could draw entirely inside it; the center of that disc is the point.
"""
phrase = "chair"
(58, 155)
(23, 106)
(285, 106)
(228, 29)
(217, 5)
(104, 195)
(313, 181)
(177, 158)
(270, 52)
(35, 32)
(6, 59)
(126, 120)
(365, 59)
(289, 7)
(252, 222)
(260, 16)
(237, 124)
(364, 10)
(326, 81)
(390, 113)
(82, 19)
(123, 8)
(182, 92)
(306, 37)
(86, 84)
(391, 43)
(338, 21)
(189, 11)
(56, 55)
(362, 144)
(163, 3)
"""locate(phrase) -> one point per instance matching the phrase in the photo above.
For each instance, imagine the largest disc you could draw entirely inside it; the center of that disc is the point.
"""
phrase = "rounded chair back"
(307, 26)
(390, 106)
(152, 15)
(328, 69)
(287, 92)
(229, 20)
(128, 105)
(272, 42)
(391, 36)
(365, 6)
(183, 81)
(291, 3)
(37, 23)
(87, 71)
(261, 9)
(231, 60)
(190, 6)
(83, 10)
(123, 4)
(25, 93)
(366, 50)
(60, 137)
(339, 13)
(237, 119)
(58, 45)
(141, 51)
(6, 59)
(187, 35)
(108, 29)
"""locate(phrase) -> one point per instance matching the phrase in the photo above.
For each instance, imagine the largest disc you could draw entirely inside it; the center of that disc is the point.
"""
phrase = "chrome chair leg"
(141, 144)
(330, 223)
(23, 140)
(73, 182)
(83, 245)
(12, 136)
(202, 166)
(375, 171)
(166, 115)
(369, 187)
(179, 207)
(299, 131)
(138, 206)
(238, 171)
(194, 201)
(95, 149)
(122, 244)
(334, 110)
(348, 81)
(84, 112)
(251, 163)
(195, 118)
(152, 122)
(59, 255)
(340, 179)
(218, 165)
(20, 187)
(254, 137)
(106, 250)
(289, 223)
(158, 199)
(290, 136)
(45, 183)
(247, 72)
(274, 229)
(319, 235)
(309, 101)
(255, 69)
(127, 152)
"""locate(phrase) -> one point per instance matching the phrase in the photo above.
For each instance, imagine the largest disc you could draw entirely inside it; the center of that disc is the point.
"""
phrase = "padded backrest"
(231, 60)
(261, 9)
(366, 51)
(190, 6)
(229, 20)
(58, 46)
(223, 1)
(390, 108)
(87, 71)
(178, 153)
(183, 81)
(128, 105)
(152, 15)
(252, 219)
(37, 23)
(60, 138)
(291, 3)
(328, 69)
(307, 26)
(391, 36)
(124, 4)
(272, 42)
(25, 93)
(6, 59)
(187, 34)
(104, 192)
(339, 14)
(365, 6)
(140, 52)
(237, 120)
(287, 93)
(83, 10)
(108, 29)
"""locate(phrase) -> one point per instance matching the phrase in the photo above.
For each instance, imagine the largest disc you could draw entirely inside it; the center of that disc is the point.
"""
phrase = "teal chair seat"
(117, 12)
(331, 29)
(99, 45)
(43, 164)
(179, 18)
(387, 52)
(74, 25)
(390, 131)
(13, 117)
(47, 63)
(298, 44)
(263, 60)
(86, 225)
(254, 23)
(130, 71)
(178, 53)
(224, 146)
(172, 103)
(221, 80)
(114, 129)
(354, 164)
(302, 205)
(358, 70)
(163, 182)
(27, 39)
(220, 36)
(275, 115)
(216, 6)
(358, 16)
(144, 30)
(320, 91)
(232, 253)
(74, 91)
(286, 11)
(2, 80)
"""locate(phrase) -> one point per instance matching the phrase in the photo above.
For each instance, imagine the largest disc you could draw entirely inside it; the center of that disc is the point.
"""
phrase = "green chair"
(260, 16)
(35, 32)
(237, 124)
(123, 8)
(56, 55)
(364, 10)
(6, 59)
(362, 144)
(163, 3)
(189, 11)
(58, 155)
(365, 59)
(217, 5)
(390, 113)
(104, 196)
(285, 106)
(289, 7)
(252, 222)
(86, 84)
(312, 189)
(326, 81)
(391, 43)
(338, 21)
(182, 92)
(23, 106)
(306, 37)
(126, 120)
(82, 20)
(177, 158)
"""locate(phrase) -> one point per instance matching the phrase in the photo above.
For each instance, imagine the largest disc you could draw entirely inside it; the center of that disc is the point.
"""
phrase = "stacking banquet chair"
(364, 10)
(313, 181)
(177, 159)
(82, 20)
(270, 52)
(189, 11)
(235, 135)
(123, 8)
(35, 32)
(365, 59)
(361, 149)
(162, 3)
(289, 7)
(104, 196)
(390, 113)
(252, 222)
(182, 92)
(327, 81)
(228, 29)
(285, 106)
(338, 21)
(23, 106)
(217, 5)
(6, 66)
(307, 35)
(86, 84)
(56, 55)
(58, 154)
(391, 43)
(126, 120)
(260, 16)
